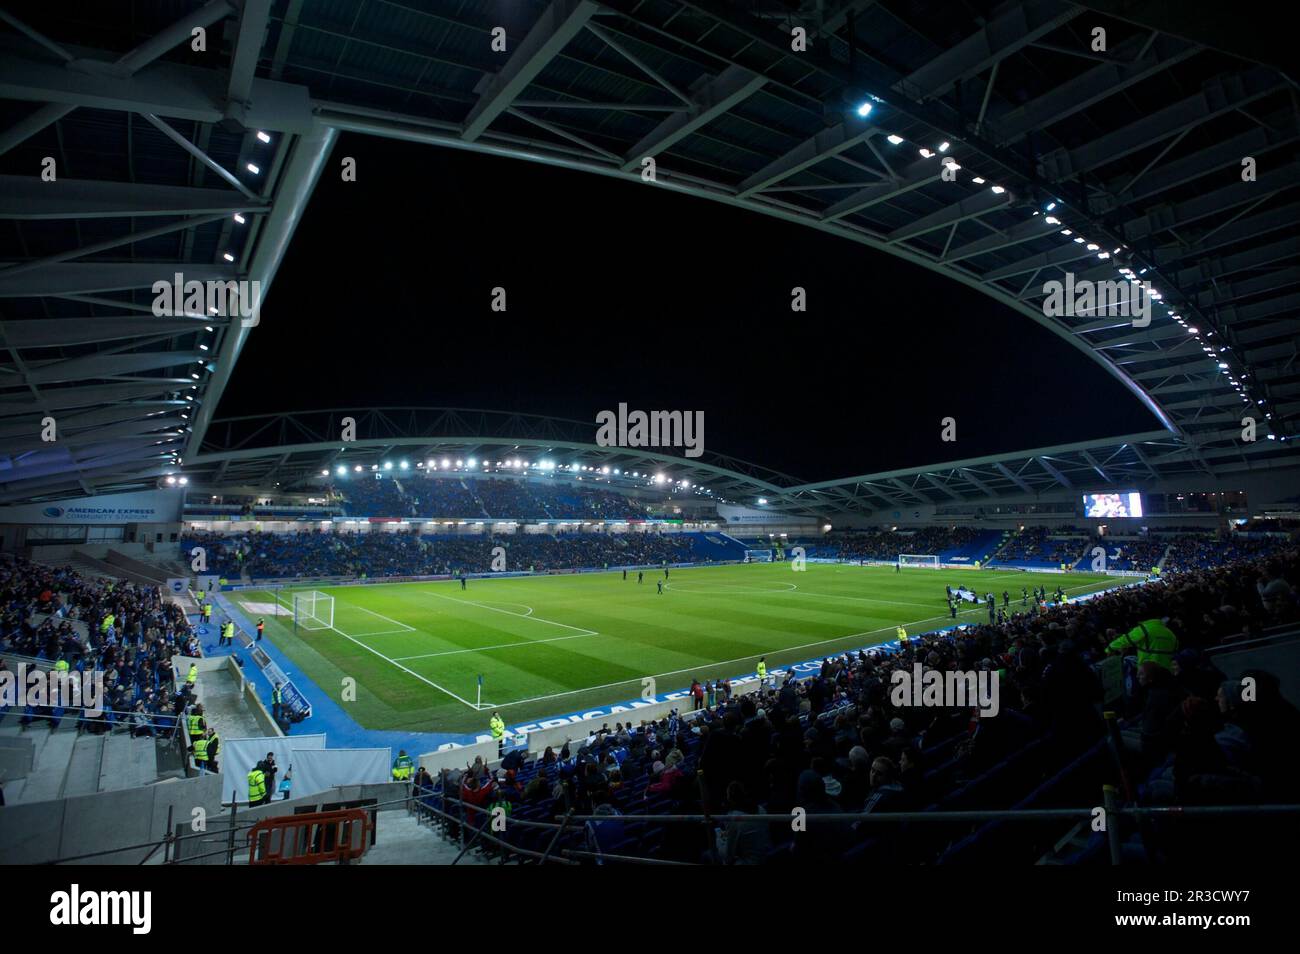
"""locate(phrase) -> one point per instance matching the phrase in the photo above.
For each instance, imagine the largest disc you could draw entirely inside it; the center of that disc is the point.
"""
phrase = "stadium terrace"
(1006, 577)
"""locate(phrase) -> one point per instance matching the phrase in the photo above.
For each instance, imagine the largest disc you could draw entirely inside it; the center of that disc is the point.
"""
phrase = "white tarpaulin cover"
(320, 769)
(237, 757)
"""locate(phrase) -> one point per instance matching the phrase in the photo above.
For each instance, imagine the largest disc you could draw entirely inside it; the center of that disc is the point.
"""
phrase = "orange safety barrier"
(317, 838)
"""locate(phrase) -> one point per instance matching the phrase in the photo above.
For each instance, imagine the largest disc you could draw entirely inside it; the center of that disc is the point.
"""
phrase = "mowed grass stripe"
(531, 668)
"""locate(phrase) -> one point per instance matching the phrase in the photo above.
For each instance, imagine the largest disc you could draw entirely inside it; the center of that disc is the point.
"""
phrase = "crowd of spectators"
(1041, 546)
(888, 544)
(1194, 550)
(836, 742)
(125, 631)
(309, 554)
(483, 497)
(1128, 553)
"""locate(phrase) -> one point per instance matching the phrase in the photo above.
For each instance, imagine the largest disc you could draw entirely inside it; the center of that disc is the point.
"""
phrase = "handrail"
(980, 814)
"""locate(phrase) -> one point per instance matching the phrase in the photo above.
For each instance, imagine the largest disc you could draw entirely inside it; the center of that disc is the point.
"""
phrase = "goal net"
(927, 560)
(758, 556)
(313, 610)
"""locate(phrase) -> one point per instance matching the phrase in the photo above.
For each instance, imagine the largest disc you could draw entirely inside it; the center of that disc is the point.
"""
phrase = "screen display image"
(1112, 505)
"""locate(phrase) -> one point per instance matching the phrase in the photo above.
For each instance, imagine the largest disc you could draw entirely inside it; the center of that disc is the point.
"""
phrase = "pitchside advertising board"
(150, 506)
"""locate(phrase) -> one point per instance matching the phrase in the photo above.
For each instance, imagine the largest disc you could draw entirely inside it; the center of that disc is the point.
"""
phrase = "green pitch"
(551, 645)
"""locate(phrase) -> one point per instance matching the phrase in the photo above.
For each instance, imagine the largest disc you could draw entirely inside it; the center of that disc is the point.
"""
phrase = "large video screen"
(1113, 505)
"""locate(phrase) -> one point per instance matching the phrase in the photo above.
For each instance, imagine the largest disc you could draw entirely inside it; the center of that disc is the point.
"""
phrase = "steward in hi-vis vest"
(256, 787)
(402, 767)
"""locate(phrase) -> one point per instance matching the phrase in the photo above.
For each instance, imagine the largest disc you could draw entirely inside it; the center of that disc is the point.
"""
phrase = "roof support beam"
(31, 124)
(1218, 96)
(1276, 219)
(27, 198)
(129, 239)
(164, 89)
(103, 366)
(942, 487)
(1097, 84)
(1205, 204)
(918, 174)
(975, 482)
(971, 207)
(1014, 478)
(824, 145)
(911, 491)
(253, 20)
(1034, 227)
(1016, 27)
(731, 87)
(559, 24)
(1056, 475)
(72, 277)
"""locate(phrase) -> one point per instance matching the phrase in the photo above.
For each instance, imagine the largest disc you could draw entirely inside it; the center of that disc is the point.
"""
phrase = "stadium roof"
(1136, 150)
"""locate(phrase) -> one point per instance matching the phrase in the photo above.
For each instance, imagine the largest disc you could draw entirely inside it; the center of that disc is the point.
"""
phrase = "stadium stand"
(835, 742)
(311, 554)
(961, 544)
(473, 497)
(1041, 548)
(127, 634)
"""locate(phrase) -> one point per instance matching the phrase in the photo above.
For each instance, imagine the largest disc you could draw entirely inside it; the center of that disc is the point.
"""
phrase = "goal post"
(929, 561)
(313, 610)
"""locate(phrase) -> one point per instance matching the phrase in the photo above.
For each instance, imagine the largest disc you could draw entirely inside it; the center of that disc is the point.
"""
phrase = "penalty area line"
(409, 672)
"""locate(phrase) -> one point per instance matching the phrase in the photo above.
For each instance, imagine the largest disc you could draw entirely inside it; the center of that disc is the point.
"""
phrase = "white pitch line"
(727, 662)
(539, 619)
(409, 672)
(522, 642)
(397, 622)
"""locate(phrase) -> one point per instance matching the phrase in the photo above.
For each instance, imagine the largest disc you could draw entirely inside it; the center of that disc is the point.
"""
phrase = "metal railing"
(459, 823)
(1139, 814)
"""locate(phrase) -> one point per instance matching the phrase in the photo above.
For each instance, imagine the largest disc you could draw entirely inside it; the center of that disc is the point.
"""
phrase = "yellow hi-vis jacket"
(193, 674)
(498, 726)
(902, 635)
(195, 723)
(256, 785)
(200, 750)
(403, 768)
(762, 670)
(1153, 641)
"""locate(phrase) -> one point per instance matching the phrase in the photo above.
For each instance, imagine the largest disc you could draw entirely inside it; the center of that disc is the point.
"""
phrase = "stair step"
(53, 749)
(82, 775)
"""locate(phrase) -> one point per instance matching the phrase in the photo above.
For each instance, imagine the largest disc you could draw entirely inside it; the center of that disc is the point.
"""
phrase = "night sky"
(618, 291)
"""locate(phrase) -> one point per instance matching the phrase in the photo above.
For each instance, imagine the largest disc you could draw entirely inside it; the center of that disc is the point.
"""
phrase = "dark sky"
(618, 291)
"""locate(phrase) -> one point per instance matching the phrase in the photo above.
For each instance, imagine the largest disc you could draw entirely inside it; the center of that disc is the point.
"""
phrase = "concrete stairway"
(67, 763)
(81, 777)
(128, 762)
(402, 840)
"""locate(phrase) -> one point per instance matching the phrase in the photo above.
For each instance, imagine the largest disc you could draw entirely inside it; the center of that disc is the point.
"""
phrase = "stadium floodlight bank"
(313, 610)
(928, 560)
